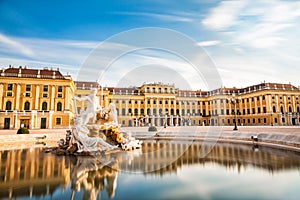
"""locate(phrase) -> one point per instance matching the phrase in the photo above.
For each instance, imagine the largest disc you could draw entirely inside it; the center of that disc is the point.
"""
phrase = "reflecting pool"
(161, 170)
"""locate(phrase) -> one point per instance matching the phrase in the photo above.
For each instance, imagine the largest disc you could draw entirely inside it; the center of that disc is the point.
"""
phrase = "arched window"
(26, 105)
(8, 105)
(44, 106)
(274, 109)
(290, 109)
(142, 111)
(172, 111)
(59, 106)
(148, 111)
(135, 111)
(153, 90)
(154, 111)
(281, 109)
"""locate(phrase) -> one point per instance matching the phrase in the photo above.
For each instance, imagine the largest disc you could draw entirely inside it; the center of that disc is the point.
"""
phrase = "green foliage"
(23, 131)
(152, 128)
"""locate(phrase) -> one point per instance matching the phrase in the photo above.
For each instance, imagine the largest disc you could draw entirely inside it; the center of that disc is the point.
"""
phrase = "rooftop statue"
(95, 129)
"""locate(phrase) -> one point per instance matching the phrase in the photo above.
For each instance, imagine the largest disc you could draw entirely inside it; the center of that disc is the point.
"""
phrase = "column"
(151, 107)
(126, 107)
(293, 99)
(169, 106)
(15, 117)
(67, 98)
(139, 108)
(277, 104)
(32, 119)
(180, 107)
(255, 105)
(268, 104)
(132, 107)
(50, 118)
(146, 105)
(2, 107)
(17, 97)
(52, 97)
(37, 97)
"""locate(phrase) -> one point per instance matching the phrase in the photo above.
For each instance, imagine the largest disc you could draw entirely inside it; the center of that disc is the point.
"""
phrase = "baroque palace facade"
(42, 98)
(165, 105)
(35, 98)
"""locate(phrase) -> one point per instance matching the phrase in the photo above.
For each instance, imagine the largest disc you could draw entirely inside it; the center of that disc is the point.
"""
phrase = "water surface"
(161, 170)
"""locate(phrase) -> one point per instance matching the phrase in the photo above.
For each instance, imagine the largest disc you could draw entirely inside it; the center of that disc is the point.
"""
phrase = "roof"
(86, 85)
(24, 72)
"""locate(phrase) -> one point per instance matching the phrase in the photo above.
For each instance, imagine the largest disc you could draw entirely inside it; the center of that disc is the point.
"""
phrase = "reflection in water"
(90, 174)
(33, 173)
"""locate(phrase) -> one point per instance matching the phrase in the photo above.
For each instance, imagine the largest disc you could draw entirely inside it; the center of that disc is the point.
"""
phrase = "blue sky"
(248, 41)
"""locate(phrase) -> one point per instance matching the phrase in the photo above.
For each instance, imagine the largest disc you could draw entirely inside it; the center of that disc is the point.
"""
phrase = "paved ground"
(276, 134)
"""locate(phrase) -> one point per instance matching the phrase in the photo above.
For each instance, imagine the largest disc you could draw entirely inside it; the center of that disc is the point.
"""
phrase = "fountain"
(95, 130)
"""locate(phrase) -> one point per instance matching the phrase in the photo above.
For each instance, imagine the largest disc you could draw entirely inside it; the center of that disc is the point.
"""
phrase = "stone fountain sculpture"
(96, 129)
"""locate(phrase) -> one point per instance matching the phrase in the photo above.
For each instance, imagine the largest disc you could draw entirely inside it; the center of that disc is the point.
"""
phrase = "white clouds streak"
(224, 16)
(208, 43)
(11, 45)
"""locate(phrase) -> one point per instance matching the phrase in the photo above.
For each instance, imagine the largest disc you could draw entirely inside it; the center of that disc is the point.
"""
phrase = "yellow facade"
(164, 105)
(35, 99)
(43, 99)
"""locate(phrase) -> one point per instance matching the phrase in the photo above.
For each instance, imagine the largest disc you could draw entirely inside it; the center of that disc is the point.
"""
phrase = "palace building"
(165, 105)
(42, 98)
(35, 98)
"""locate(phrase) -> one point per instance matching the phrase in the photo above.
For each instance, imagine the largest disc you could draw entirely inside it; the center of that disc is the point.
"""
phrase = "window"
(160, 101)
(45, 95)
(58, 121)
(265, 120)
(275, 120)
(274, 109)
(45, 89)
(10, 87)
(59, 106)
(253, 110)
(28, 88)
(44, 106)
(253, 121)
(258, 110)
(27, 94)
(9, 94)
(265, 109)
(26, 105)
(8, 105)
(59, 95)
(59, 88)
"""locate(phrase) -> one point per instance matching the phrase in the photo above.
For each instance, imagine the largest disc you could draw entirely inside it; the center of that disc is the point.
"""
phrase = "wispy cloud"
(68, 55)
(224, 15)
(179, 17)
(11, 45)
(208, 43)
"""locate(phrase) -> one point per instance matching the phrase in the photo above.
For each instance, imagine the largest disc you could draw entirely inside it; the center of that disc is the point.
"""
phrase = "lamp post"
(234, 100)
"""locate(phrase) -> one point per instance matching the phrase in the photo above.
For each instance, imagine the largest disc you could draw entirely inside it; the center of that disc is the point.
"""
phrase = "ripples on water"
(161, 170)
